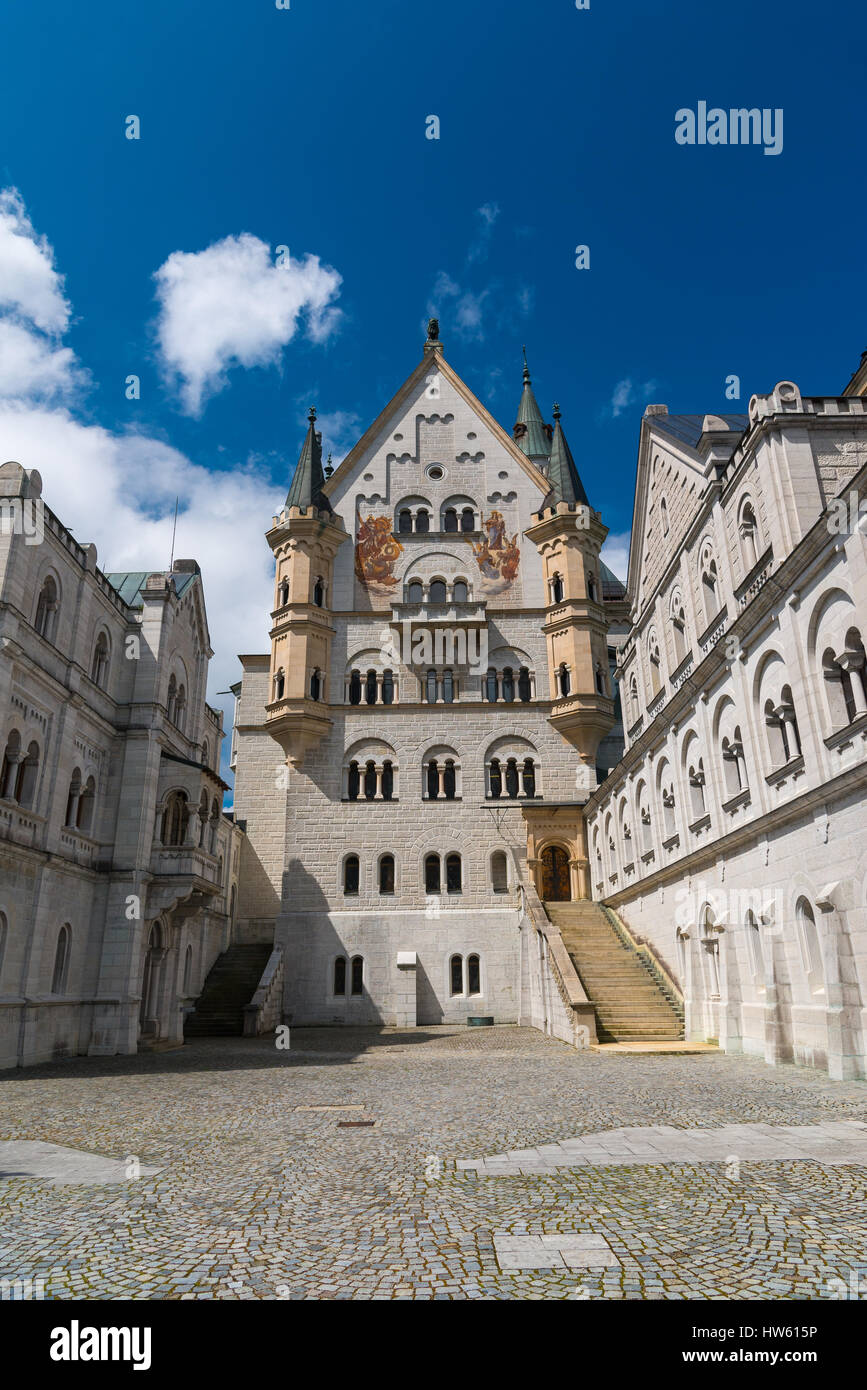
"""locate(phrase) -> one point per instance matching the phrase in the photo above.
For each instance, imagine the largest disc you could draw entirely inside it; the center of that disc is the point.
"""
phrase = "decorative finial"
(526, 368)
(556, 411)
(329, 469)
(311, 414)
(433, 330)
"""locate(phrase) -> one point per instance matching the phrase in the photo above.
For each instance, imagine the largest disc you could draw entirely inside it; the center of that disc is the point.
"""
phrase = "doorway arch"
(556, 887)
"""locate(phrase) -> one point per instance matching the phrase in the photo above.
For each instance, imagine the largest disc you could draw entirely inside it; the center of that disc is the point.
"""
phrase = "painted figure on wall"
(376, 553)
(497, 555)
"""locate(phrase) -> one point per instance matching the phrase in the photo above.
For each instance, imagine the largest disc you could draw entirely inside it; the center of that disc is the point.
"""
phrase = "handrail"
(255, 1020)
(644, 949)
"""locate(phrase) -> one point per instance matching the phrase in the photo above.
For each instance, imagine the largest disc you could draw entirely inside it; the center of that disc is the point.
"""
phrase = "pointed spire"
(531, 434)
(566, 485)
(305, 489)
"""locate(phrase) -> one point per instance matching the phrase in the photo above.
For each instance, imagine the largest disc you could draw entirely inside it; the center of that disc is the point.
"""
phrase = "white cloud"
(627, 393)
(118, 489)
(487, 215)
(615, 553)
(30, 287)
(233, 305)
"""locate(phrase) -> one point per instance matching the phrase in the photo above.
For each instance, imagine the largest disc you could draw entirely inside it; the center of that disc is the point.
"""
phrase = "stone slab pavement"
(691, 1176)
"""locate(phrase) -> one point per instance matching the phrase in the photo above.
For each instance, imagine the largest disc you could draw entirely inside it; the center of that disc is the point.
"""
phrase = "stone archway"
(555, 884)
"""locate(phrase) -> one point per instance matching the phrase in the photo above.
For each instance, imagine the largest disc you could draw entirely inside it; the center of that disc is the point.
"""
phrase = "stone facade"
(732, 835)
(360, 753)
(118, 870)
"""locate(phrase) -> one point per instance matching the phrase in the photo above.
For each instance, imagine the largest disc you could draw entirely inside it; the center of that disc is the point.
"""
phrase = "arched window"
(655, 677)
(734, 765)
(47, 609)
(432, 874)
(61, 960)
(696, 789)
(370, 780)
(171, 702)
(437, 591)
(319, 592)
(453, 873)
(468, 519)
(474, 975)
(71, 817)
(181, 708)
(176, 817)
(370, 688)
(678, 627)
(524, 685)
(422, 520)
(404, 521)
(99, 664)
(11, 761)
(316, 684)
(415, 592)
(709, 586)
(508, 685)
(388, 687)
(456, 974)
(511, 777)
(433, 780)
(355, 687)
(461, 592)
(430, 687)
(448, 687)
(592, 591)
(350, 875)
(748, 532)
(340, 976)
(663, 516)
(387, 780)
(354, 781)
(28, 777)
(556, 589)
(499, 872)
(450, 519)
(283, 593)
(386, 874)
(449, 780)
(811, 951)
(495, 778)
(188, 970)
(86, 801)
(599, 677)
(668, 811)
(565, 680)
(213, 827)
(491, 685)
(357, 975)
(528, 777)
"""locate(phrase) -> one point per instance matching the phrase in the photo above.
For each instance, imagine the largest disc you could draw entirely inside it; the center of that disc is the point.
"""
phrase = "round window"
(436, 471)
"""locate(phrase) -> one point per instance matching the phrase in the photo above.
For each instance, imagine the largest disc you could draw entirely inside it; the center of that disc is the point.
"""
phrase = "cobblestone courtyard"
(266, 1187)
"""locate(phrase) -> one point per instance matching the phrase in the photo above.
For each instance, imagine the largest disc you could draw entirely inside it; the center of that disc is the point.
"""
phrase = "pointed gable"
(566, 485)
(308, 479)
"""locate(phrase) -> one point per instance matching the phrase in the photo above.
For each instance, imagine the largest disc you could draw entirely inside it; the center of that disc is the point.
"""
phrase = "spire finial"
(556, 411)
(526, 368)
(329, 467)
(311, 414)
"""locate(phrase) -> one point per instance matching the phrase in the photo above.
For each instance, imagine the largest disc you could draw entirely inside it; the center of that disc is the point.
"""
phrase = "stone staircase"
(632, 1003)
(232, 982)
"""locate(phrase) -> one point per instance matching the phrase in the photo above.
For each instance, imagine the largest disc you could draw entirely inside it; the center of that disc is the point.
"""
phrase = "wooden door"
(555, 875)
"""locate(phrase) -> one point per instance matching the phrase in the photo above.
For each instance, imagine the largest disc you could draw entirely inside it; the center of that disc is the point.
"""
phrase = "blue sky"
(306, 128)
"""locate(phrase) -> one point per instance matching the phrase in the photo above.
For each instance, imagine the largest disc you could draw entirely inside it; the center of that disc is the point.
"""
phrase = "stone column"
(853, 662)
(377, 795)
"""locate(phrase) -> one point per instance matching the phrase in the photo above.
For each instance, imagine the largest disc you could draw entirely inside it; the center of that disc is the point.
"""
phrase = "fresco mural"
(376, 553)
(497, 555)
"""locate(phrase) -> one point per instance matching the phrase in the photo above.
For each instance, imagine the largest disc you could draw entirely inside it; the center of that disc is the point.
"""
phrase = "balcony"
(472, 614)
(185, 879)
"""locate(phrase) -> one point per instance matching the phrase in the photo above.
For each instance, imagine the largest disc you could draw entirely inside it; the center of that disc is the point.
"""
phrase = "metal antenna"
(174, 529)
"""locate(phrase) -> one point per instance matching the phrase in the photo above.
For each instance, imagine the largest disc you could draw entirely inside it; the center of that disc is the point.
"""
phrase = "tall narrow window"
(499, 872)
(422, 521)
(354, 785)
(433, 780)
(449, 780)
(357, 975)
(496, 778)
(511, 777)
(340, 976)
(709, 588)
(749, 536)
(61, 961)
(279, 684)
(450, 519)
(370, 780)
(556, 589)
(188, 970)
(453, 873)
(370, 688)
(432, 874)
(46, 609)
(508, 684)
(437, 592)
(528, 777)
(456, 965)
(386, 874)
(315, 684)
(524, 689)
(461, 592)
(99, 665)
(415, 592)
(430, 687)
(86, 802)
(565, 679)
(448, 687)
(388, 687)
(355, 688)
(28, 777)
(474, 975)
(491, 685)
(350, 875)
(283, 593)
(387, 780)
(319, 592)
(404, 521)
(468, 519)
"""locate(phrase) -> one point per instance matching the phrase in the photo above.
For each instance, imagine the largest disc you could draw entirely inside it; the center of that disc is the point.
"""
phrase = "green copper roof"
(305, 489)
(533, 440)
(130, 583)
(566, 486)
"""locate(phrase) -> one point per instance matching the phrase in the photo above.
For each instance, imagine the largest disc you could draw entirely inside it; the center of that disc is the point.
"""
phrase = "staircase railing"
(651, 960)
(576, 1023)
(263, 1012)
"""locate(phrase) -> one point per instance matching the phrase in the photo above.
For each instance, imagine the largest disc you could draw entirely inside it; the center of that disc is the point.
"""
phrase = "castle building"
(732, 838)
(413, 752)
(118, 870)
